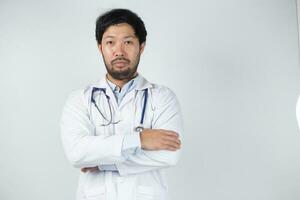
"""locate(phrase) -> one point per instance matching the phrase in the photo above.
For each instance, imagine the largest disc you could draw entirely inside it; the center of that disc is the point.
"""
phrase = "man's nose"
(119, 50)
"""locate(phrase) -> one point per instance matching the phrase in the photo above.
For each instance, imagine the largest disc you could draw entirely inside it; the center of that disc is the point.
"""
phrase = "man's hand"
(159, 139)
(90, 169)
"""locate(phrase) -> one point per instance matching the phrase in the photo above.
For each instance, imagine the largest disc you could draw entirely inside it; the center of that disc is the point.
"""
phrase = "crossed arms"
(160, 146)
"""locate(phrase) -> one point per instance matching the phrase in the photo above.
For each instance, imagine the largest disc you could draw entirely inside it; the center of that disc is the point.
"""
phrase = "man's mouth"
(120, 63)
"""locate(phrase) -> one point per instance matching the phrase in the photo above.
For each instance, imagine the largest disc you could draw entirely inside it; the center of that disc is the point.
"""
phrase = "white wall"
(233, 64)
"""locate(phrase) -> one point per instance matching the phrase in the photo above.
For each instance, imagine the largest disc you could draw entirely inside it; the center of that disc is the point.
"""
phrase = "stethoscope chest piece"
(139, 129)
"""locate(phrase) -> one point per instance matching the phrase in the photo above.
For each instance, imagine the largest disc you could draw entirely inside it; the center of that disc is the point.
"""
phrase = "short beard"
(122, 75)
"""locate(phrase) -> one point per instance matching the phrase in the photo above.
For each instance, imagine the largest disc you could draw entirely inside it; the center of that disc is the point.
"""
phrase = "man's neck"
(119, 83)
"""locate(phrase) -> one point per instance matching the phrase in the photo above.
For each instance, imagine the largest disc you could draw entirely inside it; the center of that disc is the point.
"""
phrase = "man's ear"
(100, 48)
(142, 47)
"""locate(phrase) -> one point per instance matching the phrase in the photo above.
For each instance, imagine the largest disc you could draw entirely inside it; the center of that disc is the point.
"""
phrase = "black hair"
(118, 16)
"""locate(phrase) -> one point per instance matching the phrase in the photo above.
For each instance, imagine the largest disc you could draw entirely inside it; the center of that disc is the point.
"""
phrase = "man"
(123, 131)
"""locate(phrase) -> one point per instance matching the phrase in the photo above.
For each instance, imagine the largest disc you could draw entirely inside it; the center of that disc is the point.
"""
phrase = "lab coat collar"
(141, 84)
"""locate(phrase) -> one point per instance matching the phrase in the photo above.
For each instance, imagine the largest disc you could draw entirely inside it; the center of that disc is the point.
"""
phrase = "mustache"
(120, 59)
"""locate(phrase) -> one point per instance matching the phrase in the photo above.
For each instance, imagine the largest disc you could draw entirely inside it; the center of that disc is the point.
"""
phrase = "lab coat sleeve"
(130, 142)
(167, 115)
(82, 147)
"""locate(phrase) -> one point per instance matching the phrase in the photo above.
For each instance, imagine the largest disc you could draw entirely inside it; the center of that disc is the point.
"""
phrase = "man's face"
(121, 51)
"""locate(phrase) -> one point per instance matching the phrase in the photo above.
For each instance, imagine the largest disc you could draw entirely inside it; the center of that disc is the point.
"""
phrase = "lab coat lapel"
(128, 97)
(141, 84)
(103, 84)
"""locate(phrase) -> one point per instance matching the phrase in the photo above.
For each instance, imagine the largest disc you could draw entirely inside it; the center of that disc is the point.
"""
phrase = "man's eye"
(109, 42)
(128, 42)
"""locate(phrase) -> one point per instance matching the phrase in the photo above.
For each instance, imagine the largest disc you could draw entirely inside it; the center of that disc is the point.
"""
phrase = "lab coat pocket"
(94, 186)
(146, 193)
(96, 193)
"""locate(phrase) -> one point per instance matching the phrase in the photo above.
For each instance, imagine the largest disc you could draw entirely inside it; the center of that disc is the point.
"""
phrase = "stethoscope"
(110, 121)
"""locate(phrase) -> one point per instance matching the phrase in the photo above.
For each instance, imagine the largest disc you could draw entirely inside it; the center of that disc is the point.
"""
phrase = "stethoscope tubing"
(110, 121)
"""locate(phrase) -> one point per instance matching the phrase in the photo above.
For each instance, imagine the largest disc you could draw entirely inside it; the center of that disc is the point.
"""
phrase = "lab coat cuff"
(131, 142)
(116, 154)
(107, 168)
(122, 169)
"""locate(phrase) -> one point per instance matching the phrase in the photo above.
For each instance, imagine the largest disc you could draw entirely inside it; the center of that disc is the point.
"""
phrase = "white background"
(233, 64)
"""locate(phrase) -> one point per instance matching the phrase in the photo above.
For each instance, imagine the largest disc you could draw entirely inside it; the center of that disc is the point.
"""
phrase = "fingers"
(169, 143)
(170, 140)
(170, 148)
(171, 137)
(160, 139)
(90, 169)
(84, 170)
(169, 133)
(174, 145)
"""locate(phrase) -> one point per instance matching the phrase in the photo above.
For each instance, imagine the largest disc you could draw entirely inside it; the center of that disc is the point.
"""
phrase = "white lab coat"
(141, 173)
